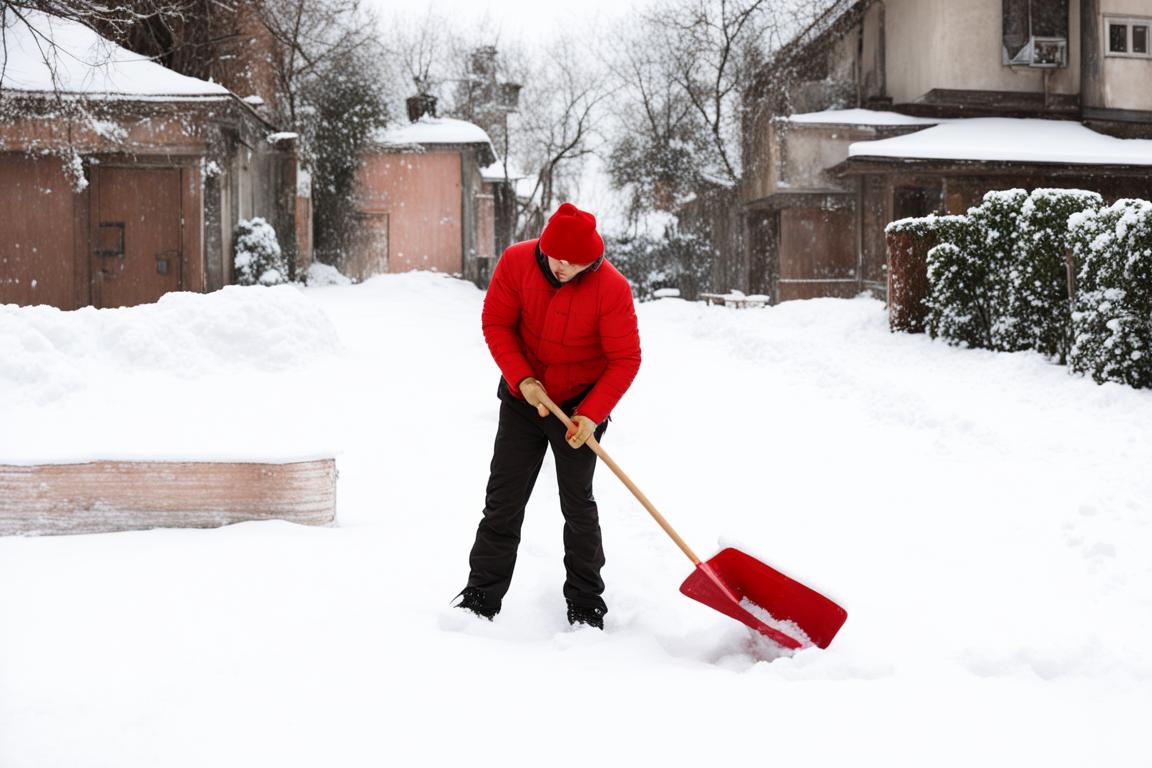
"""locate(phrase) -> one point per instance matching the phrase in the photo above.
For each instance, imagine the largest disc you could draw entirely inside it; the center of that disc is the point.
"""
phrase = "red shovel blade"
(732, 576)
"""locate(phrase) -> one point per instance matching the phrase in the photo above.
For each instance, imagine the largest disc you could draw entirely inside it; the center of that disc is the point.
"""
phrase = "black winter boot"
(476, 601)
(579, 614)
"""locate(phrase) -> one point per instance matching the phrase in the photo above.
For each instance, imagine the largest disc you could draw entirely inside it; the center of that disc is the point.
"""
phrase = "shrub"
(1112, 313)
(257, 258)
(1037, 277)
(678, 258)
(989, 244)
(957, 309)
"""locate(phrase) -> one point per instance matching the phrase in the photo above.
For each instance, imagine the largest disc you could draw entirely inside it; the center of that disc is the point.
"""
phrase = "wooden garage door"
(136, 235)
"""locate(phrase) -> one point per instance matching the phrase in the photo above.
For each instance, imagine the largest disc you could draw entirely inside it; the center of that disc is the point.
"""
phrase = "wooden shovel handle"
(599, 451)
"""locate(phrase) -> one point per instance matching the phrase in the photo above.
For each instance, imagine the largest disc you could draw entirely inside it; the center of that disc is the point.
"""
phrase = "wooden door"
(370, 245)
(136, 236)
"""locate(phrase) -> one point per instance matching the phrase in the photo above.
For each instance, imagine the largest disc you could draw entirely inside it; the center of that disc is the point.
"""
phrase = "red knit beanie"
(570, 235)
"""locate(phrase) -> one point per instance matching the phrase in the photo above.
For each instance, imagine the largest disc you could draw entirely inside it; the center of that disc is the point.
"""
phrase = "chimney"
(420, 105)
(484, 61)
(510, 96)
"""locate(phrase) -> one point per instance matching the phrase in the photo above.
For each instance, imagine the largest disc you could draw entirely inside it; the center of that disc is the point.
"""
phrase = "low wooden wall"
(908, 280)
(108, 496)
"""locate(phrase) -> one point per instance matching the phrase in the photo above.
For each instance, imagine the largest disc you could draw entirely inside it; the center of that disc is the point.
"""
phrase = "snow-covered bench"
(737, 299)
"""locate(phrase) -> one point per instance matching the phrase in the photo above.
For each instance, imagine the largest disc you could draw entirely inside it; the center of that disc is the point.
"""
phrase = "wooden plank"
(106, 496)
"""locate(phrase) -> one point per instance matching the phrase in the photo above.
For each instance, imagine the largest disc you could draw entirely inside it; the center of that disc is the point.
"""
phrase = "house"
(426, 199)
(121, 180)
(885, 109)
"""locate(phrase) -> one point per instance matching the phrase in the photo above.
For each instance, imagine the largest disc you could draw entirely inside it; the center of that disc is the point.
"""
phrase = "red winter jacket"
(580, 335)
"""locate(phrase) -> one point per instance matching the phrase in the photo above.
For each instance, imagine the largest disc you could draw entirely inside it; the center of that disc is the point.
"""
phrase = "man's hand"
(533, 391)
(582, 429)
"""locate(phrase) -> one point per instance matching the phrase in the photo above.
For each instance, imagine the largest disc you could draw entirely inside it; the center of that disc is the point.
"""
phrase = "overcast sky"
(515, 17)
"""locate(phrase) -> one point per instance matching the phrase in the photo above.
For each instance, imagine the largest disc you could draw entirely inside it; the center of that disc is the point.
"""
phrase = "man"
(560, 322)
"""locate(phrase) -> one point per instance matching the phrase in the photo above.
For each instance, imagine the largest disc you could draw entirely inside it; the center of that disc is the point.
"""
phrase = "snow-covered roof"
(859, 117)
(433, 130)
(498, 172)
(1012, 140)
(47, 54)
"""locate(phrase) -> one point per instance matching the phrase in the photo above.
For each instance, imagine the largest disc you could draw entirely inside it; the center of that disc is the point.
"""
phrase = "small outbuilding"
(426, 199)
(121, 180)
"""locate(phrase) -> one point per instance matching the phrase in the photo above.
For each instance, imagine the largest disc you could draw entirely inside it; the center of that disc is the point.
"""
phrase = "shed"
(424, 203)
(121, 180)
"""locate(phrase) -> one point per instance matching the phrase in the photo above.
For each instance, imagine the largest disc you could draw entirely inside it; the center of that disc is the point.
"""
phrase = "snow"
(860, 117)
(986, 519)
(433, 130)
(1013, 140)
(498, 172)
(49, 54)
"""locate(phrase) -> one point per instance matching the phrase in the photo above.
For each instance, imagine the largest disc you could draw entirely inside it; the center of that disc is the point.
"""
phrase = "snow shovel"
(740, 586)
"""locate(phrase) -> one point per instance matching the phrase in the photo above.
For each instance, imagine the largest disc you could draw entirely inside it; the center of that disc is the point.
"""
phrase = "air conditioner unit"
(1040, 52)
(1049, 52)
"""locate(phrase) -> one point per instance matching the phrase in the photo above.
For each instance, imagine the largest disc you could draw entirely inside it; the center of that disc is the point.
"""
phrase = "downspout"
(1091, 81)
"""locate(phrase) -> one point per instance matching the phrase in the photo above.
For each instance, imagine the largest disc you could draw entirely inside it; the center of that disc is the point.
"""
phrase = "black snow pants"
(522, 439)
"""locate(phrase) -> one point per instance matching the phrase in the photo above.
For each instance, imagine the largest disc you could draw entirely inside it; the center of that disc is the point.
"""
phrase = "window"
(1034, 33)
(1128, 37)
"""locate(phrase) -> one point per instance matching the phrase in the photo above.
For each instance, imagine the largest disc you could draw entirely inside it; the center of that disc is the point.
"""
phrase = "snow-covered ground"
(985, 519)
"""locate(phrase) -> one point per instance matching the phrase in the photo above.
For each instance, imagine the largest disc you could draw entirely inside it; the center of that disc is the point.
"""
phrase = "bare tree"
(713, 49)
(313, 36)
(560, 118)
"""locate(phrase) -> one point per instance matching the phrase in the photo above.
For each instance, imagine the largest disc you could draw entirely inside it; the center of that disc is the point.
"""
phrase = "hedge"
(1054, 271)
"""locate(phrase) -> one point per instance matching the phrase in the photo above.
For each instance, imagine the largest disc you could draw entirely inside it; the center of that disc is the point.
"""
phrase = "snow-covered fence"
(1053, 271)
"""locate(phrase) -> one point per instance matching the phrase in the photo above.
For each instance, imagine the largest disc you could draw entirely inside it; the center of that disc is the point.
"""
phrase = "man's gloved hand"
(582, 429)
(533, 390)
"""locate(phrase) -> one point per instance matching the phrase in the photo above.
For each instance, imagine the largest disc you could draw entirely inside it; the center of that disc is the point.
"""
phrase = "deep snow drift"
(983, 517)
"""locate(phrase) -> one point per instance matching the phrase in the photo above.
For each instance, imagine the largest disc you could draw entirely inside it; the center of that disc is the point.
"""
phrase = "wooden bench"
(106, 496)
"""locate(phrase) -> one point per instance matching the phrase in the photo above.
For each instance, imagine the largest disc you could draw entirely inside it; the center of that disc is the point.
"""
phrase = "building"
(885, 109)
(427, 196)
(121, 180)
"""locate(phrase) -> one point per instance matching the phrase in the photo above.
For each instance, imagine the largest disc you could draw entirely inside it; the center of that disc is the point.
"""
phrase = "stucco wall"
(1126, 80)
(943, 44)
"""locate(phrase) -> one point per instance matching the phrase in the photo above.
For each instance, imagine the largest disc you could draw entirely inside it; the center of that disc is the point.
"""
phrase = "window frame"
(1128, 22)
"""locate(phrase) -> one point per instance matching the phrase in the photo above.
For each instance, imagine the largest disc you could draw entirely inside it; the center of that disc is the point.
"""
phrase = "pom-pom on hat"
(570, 235)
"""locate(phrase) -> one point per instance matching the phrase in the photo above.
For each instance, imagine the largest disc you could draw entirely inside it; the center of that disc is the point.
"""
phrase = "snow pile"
(46, 353)
(48, 54)
(324, 274)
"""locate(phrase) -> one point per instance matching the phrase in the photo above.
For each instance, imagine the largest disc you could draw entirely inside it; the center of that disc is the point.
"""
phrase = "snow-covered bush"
(1038, 301)
(970, 281)
(257, 257)
(676, 259)
(993, 230)
(957, 306)
(1112, 313)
